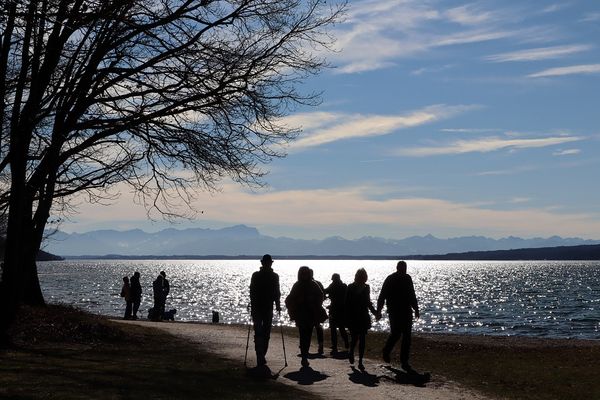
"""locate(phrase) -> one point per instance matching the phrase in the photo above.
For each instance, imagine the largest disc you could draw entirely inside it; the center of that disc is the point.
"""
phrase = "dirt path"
(327, 377)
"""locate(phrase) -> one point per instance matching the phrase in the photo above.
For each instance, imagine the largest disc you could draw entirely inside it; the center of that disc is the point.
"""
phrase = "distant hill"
(584, 252)
(243, 240)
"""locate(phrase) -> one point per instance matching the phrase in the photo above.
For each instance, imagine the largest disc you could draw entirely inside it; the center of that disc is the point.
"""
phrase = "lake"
(556, 299)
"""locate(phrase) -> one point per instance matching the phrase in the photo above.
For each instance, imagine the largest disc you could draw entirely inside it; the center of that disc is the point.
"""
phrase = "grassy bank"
(507, 367)
(62, 353)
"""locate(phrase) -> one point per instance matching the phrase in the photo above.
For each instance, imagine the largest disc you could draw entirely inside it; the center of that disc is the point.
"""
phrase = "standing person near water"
(358, 305)
(126, 294)
(159, 298)
(398, 292)
(304, 304)
(264, 292)
(136, 293)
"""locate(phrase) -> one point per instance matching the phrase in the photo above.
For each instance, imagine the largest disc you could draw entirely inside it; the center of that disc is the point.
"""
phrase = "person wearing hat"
(264, 291)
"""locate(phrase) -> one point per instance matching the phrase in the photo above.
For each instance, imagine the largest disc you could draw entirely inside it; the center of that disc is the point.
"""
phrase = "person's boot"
(320, 351)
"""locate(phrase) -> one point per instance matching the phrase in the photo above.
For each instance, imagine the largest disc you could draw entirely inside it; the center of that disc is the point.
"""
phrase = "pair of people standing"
(132, 293)
(398, 294)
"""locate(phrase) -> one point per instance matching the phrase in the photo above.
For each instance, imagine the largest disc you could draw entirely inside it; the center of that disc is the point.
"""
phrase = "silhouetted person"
(358, 305)
(166, 287)
(398, 292)
(159, 298)
(304, 304)
(318, 326)
(337, 295)
(126, 294)
(264, 291)
(136, 293)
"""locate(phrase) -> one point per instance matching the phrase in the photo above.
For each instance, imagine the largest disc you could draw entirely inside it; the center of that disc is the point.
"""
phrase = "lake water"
(535, 298)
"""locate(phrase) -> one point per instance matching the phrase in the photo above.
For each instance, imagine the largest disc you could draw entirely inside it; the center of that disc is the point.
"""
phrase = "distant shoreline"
(559, 253)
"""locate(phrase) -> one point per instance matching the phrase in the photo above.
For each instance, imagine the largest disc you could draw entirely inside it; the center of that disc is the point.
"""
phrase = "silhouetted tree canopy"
(164, 95)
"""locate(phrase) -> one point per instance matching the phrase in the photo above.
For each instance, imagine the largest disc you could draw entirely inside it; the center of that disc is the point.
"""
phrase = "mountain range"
(244, 240)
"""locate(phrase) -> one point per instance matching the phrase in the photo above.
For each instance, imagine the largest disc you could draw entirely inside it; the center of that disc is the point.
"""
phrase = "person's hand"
(378, 315)
(278, 308)
(417, 315)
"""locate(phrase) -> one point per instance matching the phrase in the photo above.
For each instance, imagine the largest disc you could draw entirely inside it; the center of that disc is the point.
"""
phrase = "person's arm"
(413, 299)
(382, 297)
(370, 303)
(277, 294)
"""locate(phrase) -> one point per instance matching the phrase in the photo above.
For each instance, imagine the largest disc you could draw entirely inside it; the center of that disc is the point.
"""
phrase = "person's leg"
(259, 341)
(305, 331)
(353, 339)
(406, 326)
(333, 330)
(128, 306)
(361, 349)
(319, 329)
(344, 335)
(136, 307)
(395, 333)
(267, 323)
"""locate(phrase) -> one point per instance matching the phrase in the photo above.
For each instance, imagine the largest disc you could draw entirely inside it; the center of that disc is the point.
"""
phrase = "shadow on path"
(363, 378)
(408, 378)
(306, 376)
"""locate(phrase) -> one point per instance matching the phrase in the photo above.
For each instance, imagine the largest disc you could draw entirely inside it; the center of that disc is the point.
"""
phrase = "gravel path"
(327, 377)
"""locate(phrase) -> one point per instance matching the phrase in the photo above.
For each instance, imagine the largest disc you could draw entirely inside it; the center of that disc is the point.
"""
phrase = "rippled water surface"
(544, 299)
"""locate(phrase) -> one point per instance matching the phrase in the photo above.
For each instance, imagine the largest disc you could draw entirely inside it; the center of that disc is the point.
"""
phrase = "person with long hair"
(304, 305)
(358, 320)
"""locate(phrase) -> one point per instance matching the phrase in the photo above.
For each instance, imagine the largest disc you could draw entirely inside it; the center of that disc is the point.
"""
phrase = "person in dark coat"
(136, 294)
(264, 292)
(318, 326)
(126, 294)
(336, 292)
(304, 305)
(159, 298)
(398, 292)
(358, 305)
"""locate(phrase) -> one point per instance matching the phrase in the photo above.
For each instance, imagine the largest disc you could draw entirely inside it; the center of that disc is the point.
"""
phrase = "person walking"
(398, 292)
(126, 294)
(136, 294)
(264, 292)
(304, 305)
(358, 305)
(336, 292)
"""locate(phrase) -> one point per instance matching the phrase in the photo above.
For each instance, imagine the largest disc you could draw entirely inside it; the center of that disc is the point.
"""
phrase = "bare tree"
(165, 95)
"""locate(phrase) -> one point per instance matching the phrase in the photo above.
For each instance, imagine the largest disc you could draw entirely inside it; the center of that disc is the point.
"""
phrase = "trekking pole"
(282, 341)
(247, 340)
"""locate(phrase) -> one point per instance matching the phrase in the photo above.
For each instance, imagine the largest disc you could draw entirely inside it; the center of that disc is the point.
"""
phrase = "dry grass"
(62, 353)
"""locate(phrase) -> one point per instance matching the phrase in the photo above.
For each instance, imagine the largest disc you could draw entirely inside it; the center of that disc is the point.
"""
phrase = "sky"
(450, 118)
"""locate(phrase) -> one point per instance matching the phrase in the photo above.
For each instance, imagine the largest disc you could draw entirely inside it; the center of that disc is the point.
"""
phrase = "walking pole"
(247, 340)
(282, 341)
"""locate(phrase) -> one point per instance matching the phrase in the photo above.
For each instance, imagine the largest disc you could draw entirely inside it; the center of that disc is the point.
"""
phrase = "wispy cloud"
(571, 70)
(485, 145)
(378, 33)
(347, 210)
(540, 53)
(470, 130)
(591, 17)
(321, 128)
(567, 152)
(555, 7)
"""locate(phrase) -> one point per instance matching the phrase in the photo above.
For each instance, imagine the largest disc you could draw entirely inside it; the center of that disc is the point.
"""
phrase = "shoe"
(304, 362)
(386, 357)
(351, 357)
(407, 368)
(361, 366)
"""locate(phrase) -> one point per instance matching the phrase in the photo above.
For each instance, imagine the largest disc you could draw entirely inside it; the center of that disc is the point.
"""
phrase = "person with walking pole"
(264, 291)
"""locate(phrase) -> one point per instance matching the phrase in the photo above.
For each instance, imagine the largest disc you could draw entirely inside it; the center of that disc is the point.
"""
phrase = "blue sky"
(444, 117)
